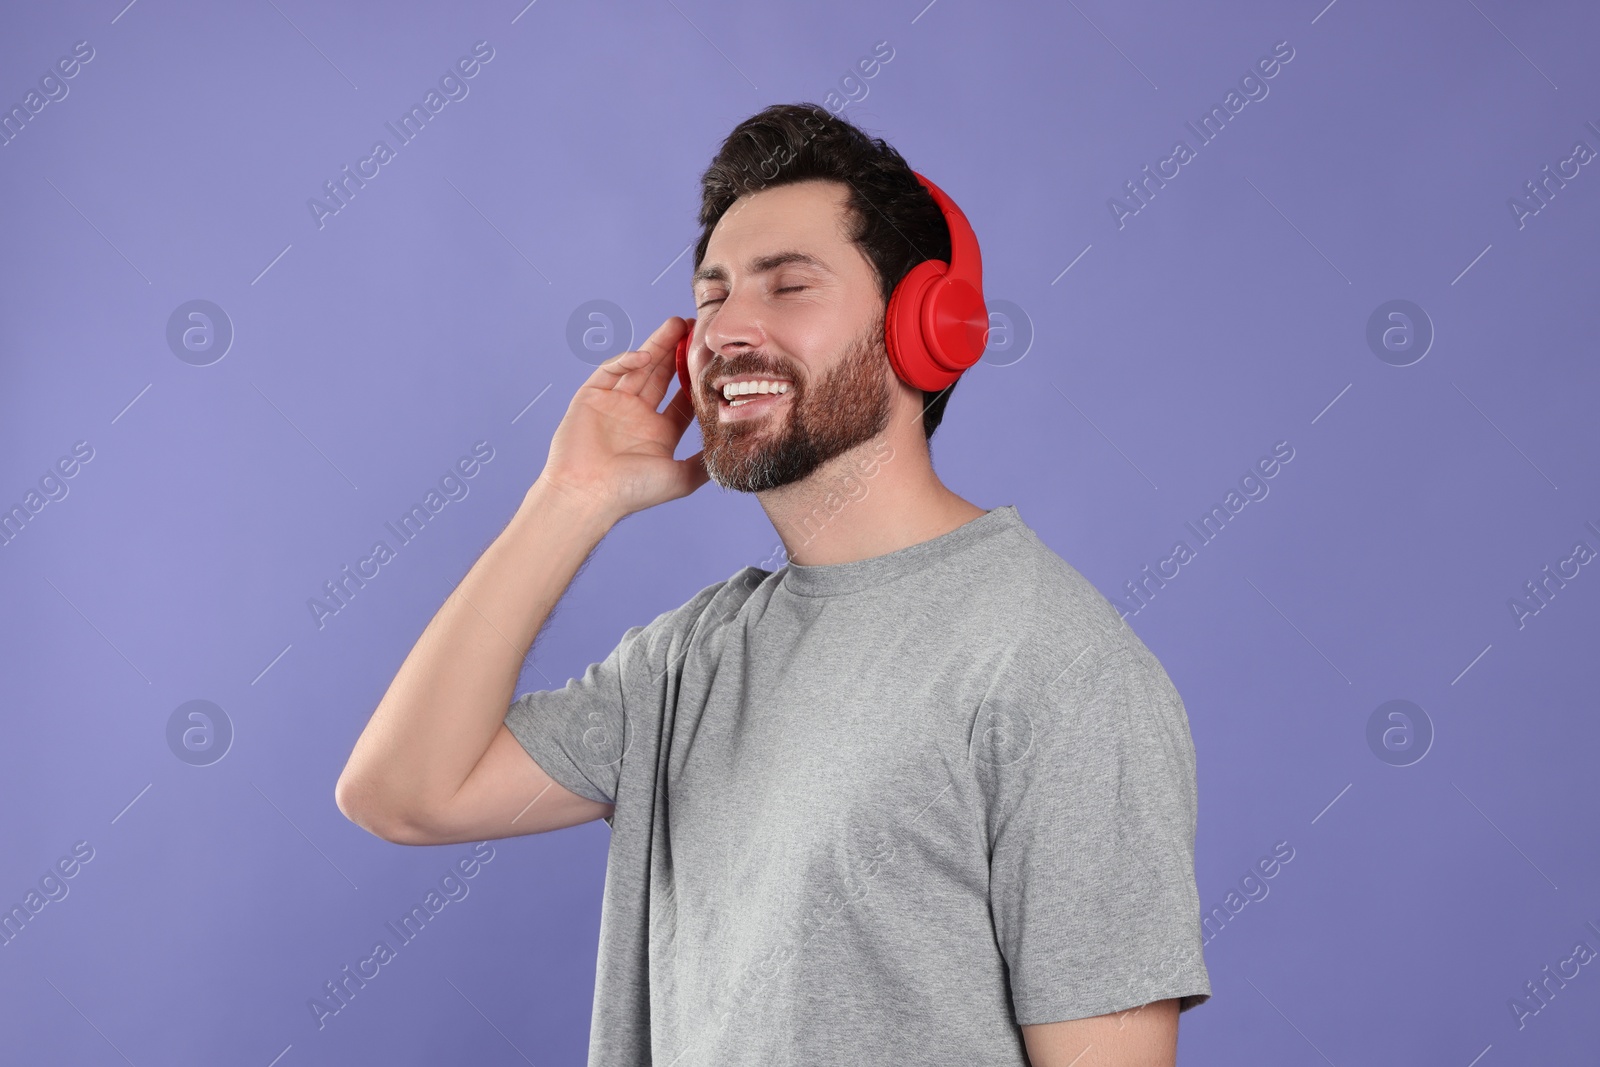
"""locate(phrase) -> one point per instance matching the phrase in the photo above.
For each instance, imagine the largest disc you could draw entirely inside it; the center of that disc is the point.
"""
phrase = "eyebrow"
(763, 264)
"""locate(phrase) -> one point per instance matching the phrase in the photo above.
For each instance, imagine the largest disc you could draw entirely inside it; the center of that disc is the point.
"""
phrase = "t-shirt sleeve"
(581, 734)
(1092, 886)
(577, 734)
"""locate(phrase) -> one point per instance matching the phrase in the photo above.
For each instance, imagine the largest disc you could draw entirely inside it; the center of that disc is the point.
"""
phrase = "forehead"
(806, 215)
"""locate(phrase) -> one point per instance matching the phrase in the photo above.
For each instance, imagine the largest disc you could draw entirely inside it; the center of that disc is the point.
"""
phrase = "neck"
(877, 498)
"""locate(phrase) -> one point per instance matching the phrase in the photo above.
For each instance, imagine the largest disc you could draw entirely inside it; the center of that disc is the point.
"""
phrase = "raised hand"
(613, 449)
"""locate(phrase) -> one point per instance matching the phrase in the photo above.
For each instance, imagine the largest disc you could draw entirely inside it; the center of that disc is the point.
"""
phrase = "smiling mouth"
(748, 406)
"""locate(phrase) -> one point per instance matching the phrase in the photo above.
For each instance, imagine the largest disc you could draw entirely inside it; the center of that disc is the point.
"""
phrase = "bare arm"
(436, 762)
(1146, 1036)
(449, 698)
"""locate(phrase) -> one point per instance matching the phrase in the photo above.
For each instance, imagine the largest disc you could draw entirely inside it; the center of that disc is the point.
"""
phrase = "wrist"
(573, 507)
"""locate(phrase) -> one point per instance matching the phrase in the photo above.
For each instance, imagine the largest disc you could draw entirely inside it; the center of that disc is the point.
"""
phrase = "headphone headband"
(966, 261)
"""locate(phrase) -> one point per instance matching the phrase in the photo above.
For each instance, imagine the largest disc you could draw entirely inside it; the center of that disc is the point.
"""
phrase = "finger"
(654, 364)
(662, 374)
(615, 372)
(607, 374)
(680, 412)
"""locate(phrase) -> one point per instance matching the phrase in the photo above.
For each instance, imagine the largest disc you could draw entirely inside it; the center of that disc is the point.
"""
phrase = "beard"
(849, 406)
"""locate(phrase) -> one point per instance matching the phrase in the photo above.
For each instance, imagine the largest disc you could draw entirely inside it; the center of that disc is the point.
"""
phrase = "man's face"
(766, 314)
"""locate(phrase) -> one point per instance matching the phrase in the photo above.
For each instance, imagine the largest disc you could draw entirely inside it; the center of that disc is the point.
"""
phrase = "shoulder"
(726, 598)
(696, 623)
(714, 604)
(1052, 616)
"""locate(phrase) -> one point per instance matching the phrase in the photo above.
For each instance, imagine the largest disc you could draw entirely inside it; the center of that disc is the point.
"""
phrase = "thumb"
(693, 471)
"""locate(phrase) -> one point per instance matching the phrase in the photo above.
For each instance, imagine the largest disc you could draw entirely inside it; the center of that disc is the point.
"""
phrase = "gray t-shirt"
(881, 811)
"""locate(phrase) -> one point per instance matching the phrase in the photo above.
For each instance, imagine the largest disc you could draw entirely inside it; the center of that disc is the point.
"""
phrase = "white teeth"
(762, 386)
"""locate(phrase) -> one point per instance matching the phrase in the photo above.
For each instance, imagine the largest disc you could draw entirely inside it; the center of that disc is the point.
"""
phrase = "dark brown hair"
(895, 221)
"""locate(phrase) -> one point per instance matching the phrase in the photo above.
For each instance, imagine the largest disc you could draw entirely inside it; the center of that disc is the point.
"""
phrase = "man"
(915, 796)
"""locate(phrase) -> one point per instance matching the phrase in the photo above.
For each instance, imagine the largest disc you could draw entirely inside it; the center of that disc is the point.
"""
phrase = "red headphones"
(936, 324)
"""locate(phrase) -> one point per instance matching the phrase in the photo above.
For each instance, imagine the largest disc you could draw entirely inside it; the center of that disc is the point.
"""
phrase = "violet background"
(432, 312)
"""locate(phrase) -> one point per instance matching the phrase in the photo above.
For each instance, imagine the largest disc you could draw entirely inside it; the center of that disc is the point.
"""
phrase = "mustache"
(751, 363)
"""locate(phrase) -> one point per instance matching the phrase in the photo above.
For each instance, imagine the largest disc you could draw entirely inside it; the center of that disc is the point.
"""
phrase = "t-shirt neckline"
(832, 579)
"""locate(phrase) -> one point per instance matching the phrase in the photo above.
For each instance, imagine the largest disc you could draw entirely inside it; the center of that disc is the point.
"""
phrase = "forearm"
(450, 695)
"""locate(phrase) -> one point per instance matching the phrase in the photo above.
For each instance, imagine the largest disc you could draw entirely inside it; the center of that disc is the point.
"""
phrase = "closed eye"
(785, 289)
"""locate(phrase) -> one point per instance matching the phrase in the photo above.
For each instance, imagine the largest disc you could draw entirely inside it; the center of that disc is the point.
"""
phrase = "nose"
(736, 323)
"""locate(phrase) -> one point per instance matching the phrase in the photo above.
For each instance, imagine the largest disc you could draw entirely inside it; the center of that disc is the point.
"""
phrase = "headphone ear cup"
(903, 326)
(939, 326)
(683, 359)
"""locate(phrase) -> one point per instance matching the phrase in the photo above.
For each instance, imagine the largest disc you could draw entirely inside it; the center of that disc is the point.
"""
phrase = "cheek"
(817, 348)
